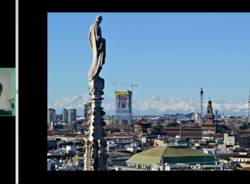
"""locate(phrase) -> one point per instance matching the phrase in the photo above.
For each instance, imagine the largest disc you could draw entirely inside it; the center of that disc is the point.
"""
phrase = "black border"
(7, 123)
(33, 86)
(8, 36)
(7, 153)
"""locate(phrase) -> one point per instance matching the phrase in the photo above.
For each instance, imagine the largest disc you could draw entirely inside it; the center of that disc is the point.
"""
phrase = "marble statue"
(95, 157)
(98, 46)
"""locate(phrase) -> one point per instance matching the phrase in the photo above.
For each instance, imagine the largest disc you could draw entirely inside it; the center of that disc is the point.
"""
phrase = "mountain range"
(152, 106)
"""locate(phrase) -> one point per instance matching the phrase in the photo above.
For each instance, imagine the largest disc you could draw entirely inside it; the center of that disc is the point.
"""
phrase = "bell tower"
(210, 115)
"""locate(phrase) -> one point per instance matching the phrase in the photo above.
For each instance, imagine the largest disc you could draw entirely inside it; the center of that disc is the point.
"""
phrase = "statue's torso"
(98, 46)
(96, 32)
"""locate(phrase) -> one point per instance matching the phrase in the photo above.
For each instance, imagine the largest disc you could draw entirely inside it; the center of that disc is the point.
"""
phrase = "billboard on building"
(123, 104)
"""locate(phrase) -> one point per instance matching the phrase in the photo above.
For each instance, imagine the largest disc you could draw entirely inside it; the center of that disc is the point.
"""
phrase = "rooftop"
(148, 157)
(170, 154)
(183, 152)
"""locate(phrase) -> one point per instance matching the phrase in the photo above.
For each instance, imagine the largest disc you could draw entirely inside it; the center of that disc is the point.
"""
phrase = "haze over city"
(169, 55)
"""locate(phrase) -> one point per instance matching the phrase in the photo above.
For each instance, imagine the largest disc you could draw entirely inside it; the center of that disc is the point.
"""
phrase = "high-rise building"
(69, 115)
(51, 115)
(124, 105)
(65, 116)
(87, 107)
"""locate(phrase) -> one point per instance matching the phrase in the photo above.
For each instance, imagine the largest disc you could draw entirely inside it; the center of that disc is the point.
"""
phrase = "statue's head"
(1, 89)
(98, 19)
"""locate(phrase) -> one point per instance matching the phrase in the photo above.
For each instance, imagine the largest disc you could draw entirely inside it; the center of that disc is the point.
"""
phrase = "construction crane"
(125, 84)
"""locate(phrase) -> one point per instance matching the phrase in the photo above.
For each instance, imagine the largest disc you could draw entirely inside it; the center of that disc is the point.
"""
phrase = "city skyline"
(154, 106)
(169, 55)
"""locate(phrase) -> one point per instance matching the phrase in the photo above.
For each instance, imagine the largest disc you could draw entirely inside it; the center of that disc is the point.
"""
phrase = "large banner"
(123, 102)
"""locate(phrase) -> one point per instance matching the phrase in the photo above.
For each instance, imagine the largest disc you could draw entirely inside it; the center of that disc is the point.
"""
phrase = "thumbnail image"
(148, 92)
(7, 92)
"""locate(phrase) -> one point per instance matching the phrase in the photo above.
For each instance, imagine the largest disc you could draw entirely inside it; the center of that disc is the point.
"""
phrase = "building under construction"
(123, 106)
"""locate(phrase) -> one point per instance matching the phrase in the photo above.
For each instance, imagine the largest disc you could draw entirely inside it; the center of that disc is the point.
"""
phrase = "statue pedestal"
(95, 144)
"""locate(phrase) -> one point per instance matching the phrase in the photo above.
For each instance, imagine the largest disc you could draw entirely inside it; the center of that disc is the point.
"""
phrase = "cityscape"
(194, 141)
(86, 134)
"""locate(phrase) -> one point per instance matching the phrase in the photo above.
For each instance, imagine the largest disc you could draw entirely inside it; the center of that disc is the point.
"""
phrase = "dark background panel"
(147, 6)
(33, 88)
(32, 92)
(8, 35)
(7, 151)
(7, 123)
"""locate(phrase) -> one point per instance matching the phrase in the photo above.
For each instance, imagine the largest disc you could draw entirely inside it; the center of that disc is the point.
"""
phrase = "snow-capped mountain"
(152, 106)
(74, 102)
(77, 102)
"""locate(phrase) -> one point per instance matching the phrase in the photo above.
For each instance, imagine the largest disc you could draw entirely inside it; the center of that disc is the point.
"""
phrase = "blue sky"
(169, 55)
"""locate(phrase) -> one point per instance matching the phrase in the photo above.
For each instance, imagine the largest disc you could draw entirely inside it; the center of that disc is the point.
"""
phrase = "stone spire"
(95, 157)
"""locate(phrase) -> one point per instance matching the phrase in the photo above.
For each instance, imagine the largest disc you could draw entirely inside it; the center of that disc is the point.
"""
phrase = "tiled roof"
(155, 155)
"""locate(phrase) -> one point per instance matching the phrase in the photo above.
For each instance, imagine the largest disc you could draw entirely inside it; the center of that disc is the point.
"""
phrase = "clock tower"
(210, 115)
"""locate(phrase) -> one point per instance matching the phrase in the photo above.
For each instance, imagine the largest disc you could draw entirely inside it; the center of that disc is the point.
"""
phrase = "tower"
(71, 115)
(209, 127)
(210, 115)
(123, 101)
(124, 105)
(51, 115)
(248, 116)
(201, 104)
(95, 156)
(65, 116)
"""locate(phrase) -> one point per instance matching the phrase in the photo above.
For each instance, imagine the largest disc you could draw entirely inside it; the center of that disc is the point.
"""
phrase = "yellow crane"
(132, 86)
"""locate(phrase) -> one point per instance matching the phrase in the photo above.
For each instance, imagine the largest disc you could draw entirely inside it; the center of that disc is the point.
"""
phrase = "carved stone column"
(95, 157)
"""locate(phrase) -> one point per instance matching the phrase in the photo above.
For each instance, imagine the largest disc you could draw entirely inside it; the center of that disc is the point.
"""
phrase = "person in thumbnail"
(2, 112)
(1, 89)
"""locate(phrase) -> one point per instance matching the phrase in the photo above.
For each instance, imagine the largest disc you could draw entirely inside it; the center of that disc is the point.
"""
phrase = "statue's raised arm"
(98, 46)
